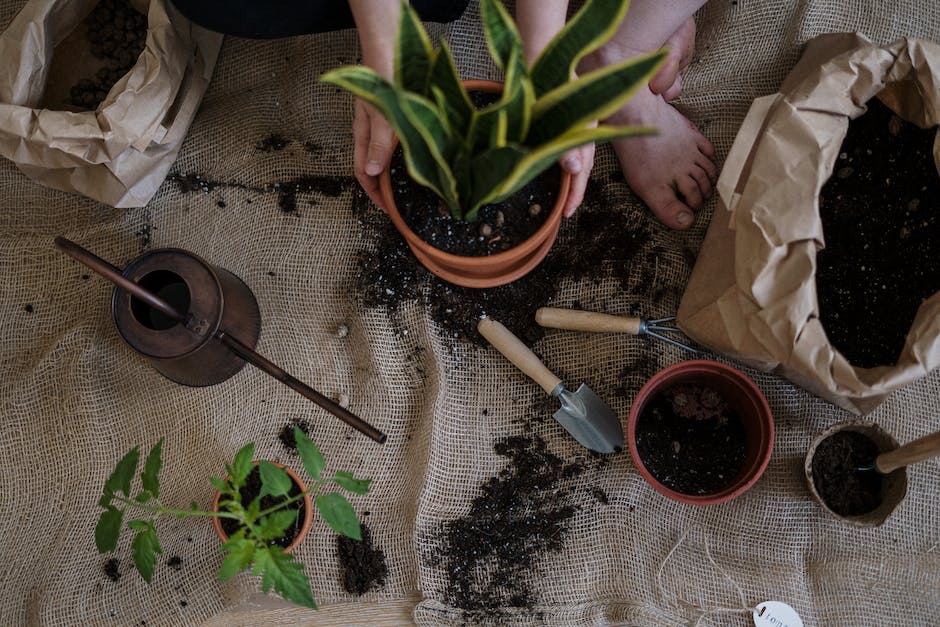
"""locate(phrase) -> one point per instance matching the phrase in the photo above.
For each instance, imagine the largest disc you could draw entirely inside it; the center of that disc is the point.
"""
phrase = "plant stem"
(314, 490)
(175, 512)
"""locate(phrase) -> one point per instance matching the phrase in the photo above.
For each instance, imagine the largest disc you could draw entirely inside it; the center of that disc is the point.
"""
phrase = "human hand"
(578, 163)
(372, 149)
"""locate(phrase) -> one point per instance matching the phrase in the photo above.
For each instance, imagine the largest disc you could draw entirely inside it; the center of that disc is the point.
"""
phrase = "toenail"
(684, 218)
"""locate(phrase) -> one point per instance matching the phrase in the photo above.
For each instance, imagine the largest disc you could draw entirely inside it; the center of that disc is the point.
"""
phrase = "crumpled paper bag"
(752, 293)
(120, 153)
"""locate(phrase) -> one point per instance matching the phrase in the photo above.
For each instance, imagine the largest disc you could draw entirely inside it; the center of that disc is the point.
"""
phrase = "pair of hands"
(372, 152)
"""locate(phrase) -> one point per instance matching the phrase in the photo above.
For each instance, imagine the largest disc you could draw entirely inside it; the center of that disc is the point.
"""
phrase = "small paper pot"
(893, 487)
(741, 394)
(304, 527)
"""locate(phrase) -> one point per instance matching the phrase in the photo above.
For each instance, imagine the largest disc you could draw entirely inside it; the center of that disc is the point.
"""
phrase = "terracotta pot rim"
(308, 511)
(445, 260)
(762, 417)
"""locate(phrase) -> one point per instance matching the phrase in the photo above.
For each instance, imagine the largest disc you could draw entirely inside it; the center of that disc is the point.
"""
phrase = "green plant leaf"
(143, 497)
(449, 93)
(144, 549)
(310, 454)
(220, 485)
(150, 477)
(339, 515)
(347, 481)
(413, 52)
(275, 524)
(239, 555)
(108, 529)
(502, 38)
(274, 479)
(242, 465)
(138, 525)
(278, 569)
(121, 476)
(587, 30)
(375, 90)
(434, 133)
(593, 96)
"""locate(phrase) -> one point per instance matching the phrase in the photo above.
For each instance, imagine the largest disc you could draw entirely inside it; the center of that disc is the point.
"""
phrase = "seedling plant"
(251, 548)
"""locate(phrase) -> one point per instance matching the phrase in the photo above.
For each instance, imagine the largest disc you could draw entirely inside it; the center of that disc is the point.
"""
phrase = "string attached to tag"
(763, 614)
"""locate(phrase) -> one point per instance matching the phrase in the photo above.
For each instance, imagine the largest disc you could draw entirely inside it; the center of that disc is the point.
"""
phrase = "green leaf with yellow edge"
(588, 29)
(502, 37)
(413, 52)
(449, 93)
(287, 577)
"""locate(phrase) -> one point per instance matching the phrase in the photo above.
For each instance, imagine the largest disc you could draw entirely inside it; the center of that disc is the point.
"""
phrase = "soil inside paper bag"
(880, 212)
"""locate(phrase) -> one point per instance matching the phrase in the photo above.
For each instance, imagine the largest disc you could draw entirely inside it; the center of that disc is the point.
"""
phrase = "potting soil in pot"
(497, 227)
(250, 490)
(691, 440)
(846, 490)
(881, 222)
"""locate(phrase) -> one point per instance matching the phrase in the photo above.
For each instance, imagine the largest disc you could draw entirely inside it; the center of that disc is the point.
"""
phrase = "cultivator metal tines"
(575, 320)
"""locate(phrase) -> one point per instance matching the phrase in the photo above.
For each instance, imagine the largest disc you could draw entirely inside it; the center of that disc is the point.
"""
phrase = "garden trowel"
(583, 414)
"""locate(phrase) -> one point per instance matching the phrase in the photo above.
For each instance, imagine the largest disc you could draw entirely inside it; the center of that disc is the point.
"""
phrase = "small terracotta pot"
(894, 484)
(490, 270)
(304, 527)
(741, 394)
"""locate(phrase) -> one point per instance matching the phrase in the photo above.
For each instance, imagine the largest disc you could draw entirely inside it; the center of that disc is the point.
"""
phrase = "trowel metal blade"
(589, 420)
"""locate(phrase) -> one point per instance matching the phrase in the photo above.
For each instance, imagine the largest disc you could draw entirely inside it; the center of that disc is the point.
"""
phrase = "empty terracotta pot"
(893, 485)
(305, 523)
(489, 270)
(741, 395)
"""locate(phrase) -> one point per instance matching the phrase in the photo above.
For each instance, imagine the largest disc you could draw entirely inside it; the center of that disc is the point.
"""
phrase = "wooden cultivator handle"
(912, 452)
(575, 320)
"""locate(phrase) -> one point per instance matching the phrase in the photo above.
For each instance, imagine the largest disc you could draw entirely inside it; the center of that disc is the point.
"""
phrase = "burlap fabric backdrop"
(74, 397)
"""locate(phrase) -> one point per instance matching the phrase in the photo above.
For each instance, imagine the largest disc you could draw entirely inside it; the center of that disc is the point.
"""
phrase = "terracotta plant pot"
(741, 394)
(304, 527)
(490, 270)
(893, 487)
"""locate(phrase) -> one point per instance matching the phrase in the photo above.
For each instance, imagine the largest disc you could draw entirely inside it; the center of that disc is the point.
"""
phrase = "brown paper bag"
(752, 293)
(120, 153)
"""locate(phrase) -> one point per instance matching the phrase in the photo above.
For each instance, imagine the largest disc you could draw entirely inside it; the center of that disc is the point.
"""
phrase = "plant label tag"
(776, 614)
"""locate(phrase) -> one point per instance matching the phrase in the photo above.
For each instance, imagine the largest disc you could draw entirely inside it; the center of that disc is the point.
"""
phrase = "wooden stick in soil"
(113, 274)
(912, 452)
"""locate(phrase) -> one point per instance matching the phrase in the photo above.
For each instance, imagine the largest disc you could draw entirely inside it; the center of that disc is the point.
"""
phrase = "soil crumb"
(363, 563)
(175, 562)
(845, 490)
(286, 436)
(491, 555)
(272, 143)
(111, 570)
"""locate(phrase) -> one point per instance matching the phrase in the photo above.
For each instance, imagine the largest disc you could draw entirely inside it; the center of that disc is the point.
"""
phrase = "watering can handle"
(518, 353)
(912, 452)
(575, 320)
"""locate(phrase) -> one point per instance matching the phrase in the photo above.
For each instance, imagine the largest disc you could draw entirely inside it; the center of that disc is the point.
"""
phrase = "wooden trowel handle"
(575, 320)
(912, 452)
(518, 353)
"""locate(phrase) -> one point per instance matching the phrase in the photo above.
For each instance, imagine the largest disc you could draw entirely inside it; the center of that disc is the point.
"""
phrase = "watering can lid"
(204, 312)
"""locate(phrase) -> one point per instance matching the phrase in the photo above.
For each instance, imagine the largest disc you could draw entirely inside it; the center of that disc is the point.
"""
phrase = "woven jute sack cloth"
(752, 294)
(120, 153)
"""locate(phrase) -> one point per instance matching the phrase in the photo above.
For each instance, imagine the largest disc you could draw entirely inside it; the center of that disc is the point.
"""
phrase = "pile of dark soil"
(117, 34)
(250, 490)
(286, 190)
(286, 436)
(497, 227)
(490, 556)
(362, 563)
(881, 221)
(690, 440)
(845, 490)
(601, 241)
(111, 569)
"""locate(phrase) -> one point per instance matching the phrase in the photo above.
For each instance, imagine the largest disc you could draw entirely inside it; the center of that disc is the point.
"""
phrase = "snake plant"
(472, 157)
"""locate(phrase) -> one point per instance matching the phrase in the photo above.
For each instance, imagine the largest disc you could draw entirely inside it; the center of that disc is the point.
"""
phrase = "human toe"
(668, 208)
(689, 188)
(703, 180)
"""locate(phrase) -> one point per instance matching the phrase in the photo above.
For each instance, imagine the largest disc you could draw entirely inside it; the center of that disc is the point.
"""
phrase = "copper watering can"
(197, 324)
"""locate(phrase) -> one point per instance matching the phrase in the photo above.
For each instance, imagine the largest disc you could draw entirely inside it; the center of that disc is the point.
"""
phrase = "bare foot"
(668, 80)
(672, 172)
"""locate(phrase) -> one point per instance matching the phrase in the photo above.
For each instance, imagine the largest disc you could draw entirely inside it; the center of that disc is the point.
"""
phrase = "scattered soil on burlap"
(250, 490)
(690, 440)
(175, 562)
(881, 222)
(497, 228)
(845, 490)
(600, 242)
(363, 564)
(491, 555)
(116, 34)
(286, 436)
(110, 568)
